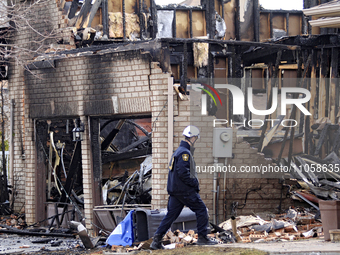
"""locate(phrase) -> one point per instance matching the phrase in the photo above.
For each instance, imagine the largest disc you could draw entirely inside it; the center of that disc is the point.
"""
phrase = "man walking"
(183, 188)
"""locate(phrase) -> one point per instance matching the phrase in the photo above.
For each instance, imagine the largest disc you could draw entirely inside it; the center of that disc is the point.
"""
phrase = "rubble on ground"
(14, 220)
(296, 224)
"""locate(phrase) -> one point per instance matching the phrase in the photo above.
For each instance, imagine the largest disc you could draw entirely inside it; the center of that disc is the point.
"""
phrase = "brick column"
(87, 176)
(159, 88)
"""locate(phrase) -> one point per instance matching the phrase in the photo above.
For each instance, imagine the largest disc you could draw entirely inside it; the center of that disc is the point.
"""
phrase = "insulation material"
(164, 23)
(116, 25)
(201, 54)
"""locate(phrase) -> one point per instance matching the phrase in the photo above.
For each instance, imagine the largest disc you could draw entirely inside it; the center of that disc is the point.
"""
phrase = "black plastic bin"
(147, 221)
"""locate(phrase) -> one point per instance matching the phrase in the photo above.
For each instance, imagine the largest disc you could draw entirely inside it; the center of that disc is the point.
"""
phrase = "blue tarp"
(123, 233)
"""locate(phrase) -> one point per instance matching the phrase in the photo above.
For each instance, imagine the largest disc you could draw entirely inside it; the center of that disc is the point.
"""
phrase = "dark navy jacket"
(182, 179)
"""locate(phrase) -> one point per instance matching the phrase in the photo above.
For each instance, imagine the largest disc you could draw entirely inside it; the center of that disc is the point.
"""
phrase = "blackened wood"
(174, 24)
(307, 132)
(124, 19)
(110, 157)
(154, 28)
(299, 84)
(336, 144)
(73, 9)
(141, 20)
(105, 124)
(184, 67)
(96, 158)
(256, 14)
(84, 12)
(334, 90)
(93, 11)
(322, 84)
(311, 144)
(271, 25)
(105, 17)
(56, 218)
(273, 84)
(247, 113)
(111, 136)
(190, 23)
(41, 134)
(322, 139)
(237, 20)
(287, 23)
(304, 83)
(73, 169)
(135, 144)
(96, 165)
(28, 233)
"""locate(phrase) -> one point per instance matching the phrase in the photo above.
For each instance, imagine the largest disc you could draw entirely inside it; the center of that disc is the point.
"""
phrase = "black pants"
(175, 206)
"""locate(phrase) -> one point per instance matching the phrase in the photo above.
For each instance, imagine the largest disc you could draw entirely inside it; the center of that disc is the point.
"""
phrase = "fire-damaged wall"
(241, 194)
(125, 81)
(22, 163)
(100, 85)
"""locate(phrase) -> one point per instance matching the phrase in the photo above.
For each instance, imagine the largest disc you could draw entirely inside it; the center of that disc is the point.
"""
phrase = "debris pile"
(171, 240)
(293, 225)
(296, 224)
(14, 220)
(133, 189)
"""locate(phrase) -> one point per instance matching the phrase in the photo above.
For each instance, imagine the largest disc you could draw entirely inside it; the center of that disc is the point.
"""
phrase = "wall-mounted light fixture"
(78, 131)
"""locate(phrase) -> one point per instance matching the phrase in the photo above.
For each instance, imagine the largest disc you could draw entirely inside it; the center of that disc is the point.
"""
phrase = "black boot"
(157, 242)
(205, 240)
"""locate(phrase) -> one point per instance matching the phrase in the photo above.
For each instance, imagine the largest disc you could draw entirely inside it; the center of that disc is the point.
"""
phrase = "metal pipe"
(170, 117)
(215, 192)
(124, 20)
(11, 142)
(225, 190)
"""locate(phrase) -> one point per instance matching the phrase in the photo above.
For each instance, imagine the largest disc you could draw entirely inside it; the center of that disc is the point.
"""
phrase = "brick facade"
(83, 86)
(189, 113)
(24, 148)
(117, 84)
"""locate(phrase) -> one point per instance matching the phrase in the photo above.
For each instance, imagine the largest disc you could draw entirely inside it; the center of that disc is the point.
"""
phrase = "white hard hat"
(191, 131)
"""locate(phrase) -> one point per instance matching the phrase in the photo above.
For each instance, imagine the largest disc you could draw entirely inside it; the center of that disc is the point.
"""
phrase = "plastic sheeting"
(123, 233)
(221, 27)
(164, 22)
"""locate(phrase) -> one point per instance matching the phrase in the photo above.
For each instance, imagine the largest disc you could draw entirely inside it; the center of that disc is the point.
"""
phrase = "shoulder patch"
(171, 165)
(185, 157)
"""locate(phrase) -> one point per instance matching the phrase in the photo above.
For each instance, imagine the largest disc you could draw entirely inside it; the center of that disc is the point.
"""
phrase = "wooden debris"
(24, 247)
(116, 248)
(179, 245)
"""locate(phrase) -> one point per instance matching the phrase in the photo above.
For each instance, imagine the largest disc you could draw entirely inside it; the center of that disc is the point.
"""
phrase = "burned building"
(111, 78)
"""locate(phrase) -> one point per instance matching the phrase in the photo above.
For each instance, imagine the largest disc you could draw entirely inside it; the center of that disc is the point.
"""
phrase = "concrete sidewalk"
(310, 246)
